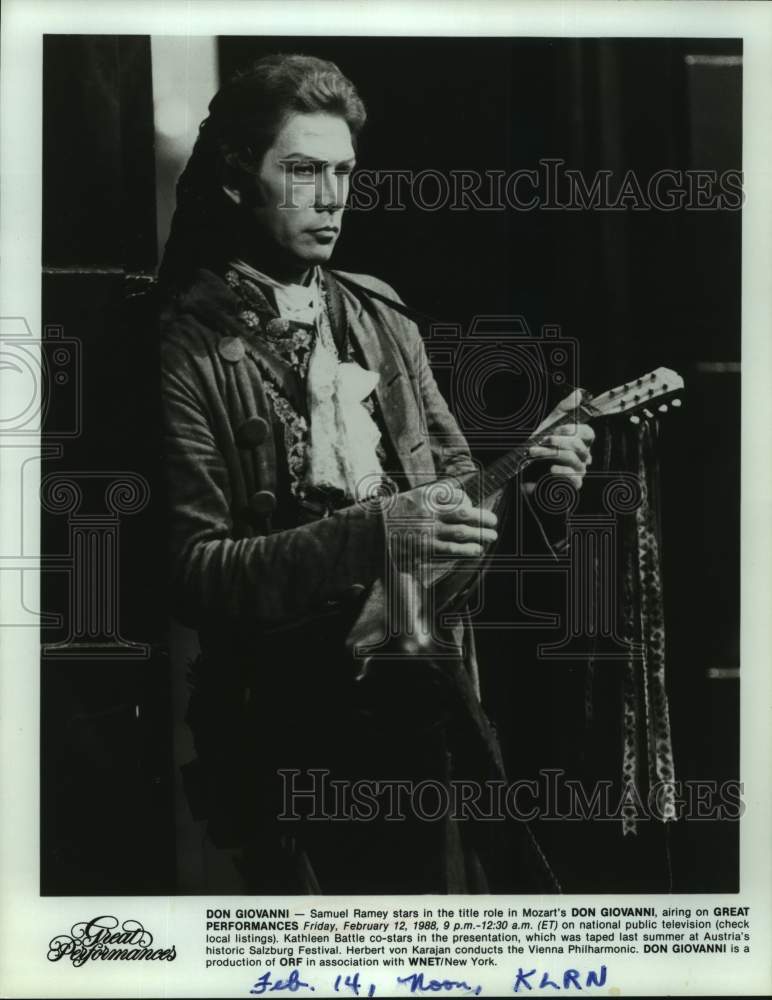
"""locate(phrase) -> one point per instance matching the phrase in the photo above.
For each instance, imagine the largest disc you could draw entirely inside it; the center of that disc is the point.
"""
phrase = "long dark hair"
(244, 118)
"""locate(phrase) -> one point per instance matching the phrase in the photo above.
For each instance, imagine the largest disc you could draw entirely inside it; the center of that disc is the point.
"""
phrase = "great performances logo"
(105, 938)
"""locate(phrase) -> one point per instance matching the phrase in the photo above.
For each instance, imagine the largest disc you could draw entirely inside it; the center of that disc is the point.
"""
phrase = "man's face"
(302, 187)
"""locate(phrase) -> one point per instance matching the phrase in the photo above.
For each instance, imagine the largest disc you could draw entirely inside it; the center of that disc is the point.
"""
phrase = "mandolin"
(406, 670)
(404, 604)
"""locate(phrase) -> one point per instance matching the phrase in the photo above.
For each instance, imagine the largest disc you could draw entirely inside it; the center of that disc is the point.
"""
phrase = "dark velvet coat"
(268, 697)
(228, 562)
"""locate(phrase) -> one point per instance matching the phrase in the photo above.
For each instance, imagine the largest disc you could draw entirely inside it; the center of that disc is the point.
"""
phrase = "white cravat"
(343, 434)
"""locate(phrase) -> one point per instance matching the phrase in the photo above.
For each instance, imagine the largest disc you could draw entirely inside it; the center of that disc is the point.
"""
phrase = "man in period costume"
(294, 397)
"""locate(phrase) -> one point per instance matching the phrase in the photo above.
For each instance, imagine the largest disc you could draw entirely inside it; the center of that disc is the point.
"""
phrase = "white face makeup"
(302, 187)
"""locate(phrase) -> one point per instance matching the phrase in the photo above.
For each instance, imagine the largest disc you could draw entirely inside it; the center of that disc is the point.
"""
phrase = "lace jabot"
(342, 445)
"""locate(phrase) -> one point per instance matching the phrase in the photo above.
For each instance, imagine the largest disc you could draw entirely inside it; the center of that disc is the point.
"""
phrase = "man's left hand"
(568, 446)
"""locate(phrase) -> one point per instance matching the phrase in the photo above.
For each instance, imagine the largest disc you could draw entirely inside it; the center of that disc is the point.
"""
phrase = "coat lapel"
(396, 395)
(375, 332)
(212, 300)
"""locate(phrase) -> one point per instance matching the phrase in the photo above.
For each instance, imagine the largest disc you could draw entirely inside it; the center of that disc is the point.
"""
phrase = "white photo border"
(27, 920)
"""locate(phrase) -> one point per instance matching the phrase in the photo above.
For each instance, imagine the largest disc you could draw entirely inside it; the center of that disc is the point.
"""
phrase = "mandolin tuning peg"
(635, 419)
(663, 408)
(648, 413)
(676, 402)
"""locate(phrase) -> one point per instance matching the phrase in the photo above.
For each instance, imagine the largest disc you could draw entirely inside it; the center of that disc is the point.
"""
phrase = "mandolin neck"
(656, 389)
(480, 487)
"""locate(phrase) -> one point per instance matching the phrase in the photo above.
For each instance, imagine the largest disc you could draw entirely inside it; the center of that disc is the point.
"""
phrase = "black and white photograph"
(380, 434)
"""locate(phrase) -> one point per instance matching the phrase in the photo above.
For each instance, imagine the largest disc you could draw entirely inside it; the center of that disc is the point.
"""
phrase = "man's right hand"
(438, 521)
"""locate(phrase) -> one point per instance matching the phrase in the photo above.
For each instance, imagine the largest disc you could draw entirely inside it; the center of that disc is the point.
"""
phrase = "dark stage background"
(637, 289)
